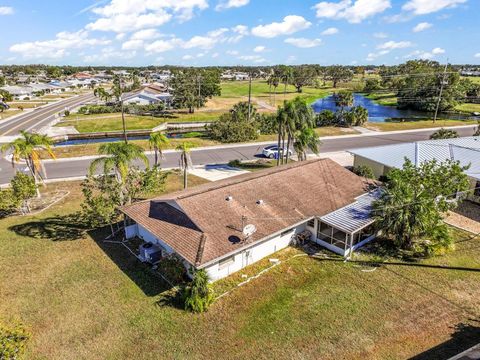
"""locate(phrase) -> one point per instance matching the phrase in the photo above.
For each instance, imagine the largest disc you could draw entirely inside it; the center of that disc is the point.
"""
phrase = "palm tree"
(185, 160)
(287, 74)
(118, 157)
(29, 148)
(157, 141)
(306, 139)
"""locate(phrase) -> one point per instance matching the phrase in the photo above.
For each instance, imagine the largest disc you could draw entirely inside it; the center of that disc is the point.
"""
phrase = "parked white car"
(272, 151)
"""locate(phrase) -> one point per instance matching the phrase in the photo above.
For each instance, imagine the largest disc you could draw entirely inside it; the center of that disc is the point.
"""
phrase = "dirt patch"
(466, 216)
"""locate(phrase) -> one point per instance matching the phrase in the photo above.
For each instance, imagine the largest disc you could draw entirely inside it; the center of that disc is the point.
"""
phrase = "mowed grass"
(82, 298)
(386, 99)
(420, 124)
(468, 108)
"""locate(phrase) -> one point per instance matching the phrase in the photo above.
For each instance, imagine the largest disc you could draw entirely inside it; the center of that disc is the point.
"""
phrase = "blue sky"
(230, 32)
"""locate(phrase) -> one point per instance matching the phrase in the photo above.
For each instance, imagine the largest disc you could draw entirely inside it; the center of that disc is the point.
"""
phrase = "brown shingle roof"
(290, 194)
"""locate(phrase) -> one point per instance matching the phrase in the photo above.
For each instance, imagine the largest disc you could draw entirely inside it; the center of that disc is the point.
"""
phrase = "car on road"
(273, 150)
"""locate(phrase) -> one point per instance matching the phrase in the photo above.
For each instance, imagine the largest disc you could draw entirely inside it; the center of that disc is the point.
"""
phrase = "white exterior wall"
(253, 254)
(378, 169)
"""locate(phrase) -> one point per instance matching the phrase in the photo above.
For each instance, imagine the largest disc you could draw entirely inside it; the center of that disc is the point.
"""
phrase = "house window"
(311, 223)
(226, 262)
(477, 189)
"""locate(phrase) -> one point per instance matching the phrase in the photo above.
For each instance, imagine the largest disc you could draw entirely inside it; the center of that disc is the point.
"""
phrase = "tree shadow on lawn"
(464, 337)
(141, 274)
(59, 228)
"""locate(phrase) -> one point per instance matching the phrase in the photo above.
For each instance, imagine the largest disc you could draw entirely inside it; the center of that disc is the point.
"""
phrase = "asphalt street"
(40, 117)
(65, 168)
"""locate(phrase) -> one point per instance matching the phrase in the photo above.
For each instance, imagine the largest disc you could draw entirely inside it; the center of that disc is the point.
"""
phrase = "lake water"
(382, 113)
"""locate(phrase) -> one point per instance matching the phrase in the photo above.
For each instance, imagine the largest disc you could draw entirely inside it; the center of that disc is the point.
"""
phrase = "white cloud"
(252, 58)
(187, 57)
(146, 34)
(132, 45)
(232, 52)
(227, 4)
(373, 56)
(57, 48)
(422, 26)
(425, 55)
(380, 35)
(128, 15)
(215, 55)
(390, 45)
(422, 7)
(160, 46)
(259, 49)
(477, 55)
(290, 24)
(108, 54)
(352, 11)
(303, 42)
(330, 31)
(240, 29)
(6, 10)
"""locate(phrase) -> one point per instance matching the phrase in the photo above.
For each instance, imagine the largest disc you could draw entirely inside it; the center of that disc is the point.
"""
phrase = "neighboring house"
(19, 92)
(227, 225)
(466, 150)
(147, 96)
(38, 87)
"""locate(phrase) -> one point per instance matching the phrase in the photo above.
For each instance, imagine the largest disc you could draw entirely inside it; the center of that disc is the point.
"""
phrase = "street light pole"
(441, 92)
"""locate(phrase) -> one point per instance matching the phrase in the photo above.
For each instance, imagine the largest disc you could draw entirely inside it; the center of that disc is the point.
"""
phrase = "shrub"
(326, 118)
(12, 341)
(235, 126)
(99, 109)
(235, 163)
(364, 171)
(444, 134)
(268, 124)
(8, 202)
(198, 295)
(67, 113)
(172, 267)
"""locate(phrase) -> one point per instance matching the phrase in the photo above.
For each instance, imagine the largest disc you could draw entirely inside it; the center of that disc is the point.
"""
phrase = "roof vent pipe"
(260, 202)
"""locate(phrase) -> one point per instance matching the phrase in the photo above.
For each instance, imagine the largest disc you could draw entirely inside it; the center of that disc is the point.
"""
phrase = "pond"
(382, 113)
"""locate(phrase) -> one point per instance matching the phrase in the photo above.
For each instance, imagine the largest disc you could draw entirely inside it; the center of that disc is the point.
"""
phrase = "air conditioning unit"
(150, 253)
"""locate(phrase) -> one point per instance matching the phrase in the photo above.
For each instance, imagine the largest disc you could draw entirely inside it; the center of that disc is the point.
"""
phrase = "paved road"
(38, 118)
(76, 168)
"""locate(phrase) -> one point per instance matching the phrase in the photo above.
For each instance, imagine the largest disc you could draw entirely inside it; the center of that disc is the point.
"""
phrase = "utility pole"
(441, 91)
(249, 96)
(123, 112)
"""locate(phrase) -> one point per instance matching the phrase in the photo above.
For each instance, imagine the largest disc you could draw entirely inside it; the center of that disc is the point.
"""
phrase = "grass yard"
(27, 104)
(8, 113)
(387, 99)
(468, 108)
(82, 298)
(421, 124)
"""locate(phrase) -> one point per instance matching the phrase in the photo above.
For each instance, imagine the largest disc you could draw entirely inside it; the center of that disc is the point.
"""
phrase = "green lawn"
(386, 99)
(469, 108)
(420, 124)
(82, 298)
(474, 79)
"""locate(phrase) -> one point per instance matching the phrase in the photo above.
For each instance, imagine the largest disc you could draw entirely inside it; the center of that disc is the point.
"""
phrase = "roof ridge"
(201, 248)
(241, 179)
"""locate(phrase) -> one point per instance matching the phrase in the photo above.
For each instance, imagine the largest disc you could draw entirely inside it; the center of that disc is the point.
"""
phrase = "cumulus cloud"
(160, 46)
(303, 42)
(330, 31)
(259, 49)
(146, 34)
(228, 4)
(352, 11)
(58, 47)
(128, 15)
(252, 58)
(290, 24)
(380, 35)
(422, 26)
(390, 45)
(132, 45)
(422, 7)
(6, 10)
(425, 55)
(477, 55)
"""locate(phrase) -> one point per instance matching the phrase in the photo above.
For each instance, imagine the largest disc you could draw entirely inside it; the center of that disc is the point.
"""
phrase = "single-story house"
(466, 150)
(227, 225)
(19, 92)
(147, 97)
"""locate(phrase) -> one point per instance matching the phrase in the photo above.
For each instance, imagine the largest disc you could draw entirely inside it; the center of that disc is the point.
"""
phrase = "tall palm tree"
(287, 74)
(185, 160)
(29, 148)
(117, 158)
(157, 141)
(306, 139)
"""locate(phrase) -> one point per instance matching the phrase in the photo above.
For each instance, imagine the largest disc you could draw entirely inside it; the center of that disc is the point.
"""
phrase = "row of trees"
(294, 123)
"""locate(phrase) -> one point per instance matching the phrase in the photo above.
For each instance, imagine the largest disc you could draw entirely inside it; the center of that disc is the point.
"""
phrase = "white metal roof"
(466, 150)
(353, 217)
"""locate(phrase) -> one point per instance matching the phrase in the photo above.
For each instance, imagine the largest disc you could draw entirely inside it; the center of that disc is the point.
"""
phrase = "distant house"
(19, 92)
(466, 150)
(225, 226)
(150, 94)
